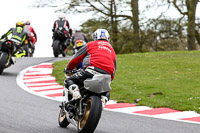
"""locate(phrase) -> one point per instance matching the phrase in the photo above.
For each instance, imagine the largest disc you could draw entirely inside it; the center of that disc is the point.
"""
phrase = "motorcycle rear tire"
(56, 48)
(92, 115)
(3, 60)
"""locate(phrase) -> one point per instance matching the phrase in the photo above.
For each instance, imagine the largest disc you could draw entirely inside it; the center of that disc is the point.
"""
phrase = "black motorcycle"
(60, 38)
(85, 113)
(7, 47)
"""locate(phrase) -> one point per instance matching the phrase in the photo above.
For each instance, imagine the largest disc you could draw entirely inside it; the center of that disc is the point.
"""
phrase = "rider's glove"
(3, 36)
(67, 73)
(65, 69)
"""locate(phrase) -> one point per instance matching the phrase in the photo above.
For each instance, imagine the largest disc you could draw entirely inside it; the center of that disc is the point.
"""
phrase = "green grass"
(158, 79)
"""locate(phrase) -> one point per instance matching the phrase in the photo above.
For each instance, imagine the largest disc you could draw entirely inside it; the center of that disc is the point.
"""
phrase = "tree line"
(131, 33)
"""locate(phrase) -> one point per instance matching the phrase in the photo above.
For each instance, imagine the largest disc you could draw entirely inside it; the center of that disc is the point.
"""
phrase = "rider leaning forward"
(78, 35)
(98, 57)
(64, 23)
(18, 36)
(31, 33)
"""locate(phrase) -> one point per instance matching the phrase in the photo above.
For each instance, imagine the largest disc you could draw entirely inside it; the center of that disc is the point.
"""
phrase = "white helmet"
(101, 34)
(61, 16)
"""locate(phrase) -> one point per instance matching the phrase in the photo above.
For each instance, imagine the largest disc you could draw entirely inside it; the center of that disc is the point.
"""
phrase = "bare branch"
(177, 7)
(124, 16)
(97, 9)
(103, 5)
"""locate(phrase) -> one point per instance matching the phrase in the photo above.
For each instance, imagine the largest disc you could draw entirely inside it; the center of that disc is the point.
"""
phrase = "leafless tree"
(188, 8)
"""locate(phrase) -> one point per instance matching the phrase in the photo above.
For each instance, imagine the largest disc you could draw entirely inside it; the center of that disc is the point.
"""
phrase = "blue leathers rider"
(18, 35)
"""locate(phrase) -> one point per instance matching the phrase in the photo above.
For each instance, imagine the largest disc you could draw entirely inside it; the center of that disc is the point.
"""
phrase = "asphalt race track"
(22, 112)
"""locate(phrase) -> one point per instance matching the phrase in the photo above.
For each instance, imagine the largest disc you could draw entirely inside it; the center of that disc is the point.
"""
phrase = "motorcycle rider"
(79, 36)
(98, 57)
(78, 45)
(19, 36)
(31, 33)
(62, 22)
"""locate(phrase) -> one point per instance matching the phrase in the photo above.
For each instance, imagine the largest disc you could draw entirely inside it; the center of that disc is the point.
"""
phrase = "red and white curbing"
(39, 81)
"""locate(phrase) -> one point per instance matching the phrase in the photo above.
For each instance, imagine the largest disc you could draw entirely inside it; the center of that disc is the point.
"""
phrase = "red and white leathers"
(62, 22)
(31, 33)
(97, 54)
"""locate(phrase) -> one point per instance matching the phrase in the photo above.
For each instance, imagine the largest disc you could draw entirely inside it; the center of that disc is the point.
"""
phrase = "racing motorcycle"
(28, 47)
(7, 47)
(85, 113)
(59, 39)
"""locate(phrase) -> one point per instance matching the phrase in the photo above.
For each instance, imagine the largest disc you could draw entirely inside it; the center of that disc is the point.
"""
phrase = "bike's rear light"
(26, 41)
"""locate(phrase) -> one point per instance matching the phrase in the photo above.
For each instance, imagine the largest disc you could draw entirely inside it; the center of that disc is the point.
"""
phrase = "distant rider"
(31, 33)
(98, 57)
(62, 22)
(18, 36)
(77, 39)
(79, 36)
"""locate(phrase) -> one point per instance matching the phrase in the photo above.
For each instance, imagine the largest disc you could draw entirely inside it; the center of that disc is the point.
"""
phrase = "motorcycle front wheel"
(62, 119)
(91, 116)
(3, 60)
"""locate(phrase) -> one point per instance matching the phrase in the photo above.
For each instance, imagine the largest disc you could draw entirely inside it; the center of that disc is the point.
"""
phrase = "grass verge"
(155, 79)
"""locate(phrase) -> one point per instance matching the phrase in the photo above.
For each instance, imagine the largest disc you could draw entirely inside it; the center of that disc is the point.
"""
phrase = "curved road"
(22, 112)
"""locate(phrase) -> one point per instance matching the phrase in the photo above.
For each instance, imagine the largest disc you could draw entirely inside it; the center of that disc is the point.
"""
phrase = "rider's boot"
(13, 59)
(104, 100)
(74, 91)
